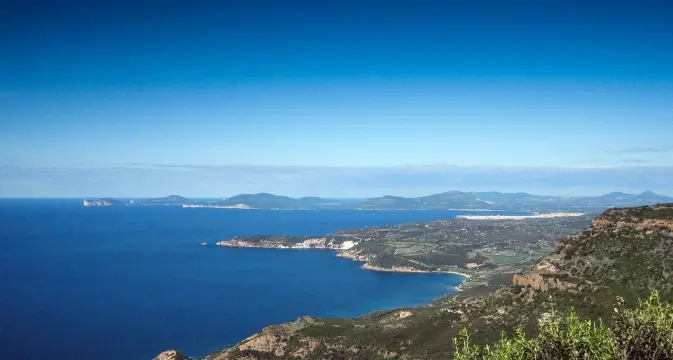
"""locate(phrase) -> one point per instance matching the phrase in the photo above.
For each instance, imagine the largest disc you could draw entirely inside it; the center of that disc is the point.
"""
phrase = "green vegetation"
(490, 247)
(510, 257)
(643, 333)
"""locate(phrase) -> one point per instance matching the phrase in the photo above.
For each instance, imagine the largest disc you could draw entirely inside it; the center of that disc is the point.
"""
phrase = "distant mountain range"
(442, 201)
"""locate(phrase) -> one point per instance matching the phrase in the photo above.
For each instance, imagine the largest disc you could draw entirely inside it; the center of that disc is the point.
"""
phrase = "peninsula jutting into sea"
(454, 200)
(477, 250)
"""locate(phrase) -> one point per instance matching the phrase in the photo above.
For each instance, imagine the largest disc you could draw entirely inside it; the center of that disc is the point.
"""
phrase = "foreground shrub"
(643, 333)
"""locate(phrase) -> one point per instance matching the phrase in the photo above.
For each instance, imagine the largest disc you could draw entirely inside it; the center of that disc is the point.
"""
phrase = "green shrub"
(643, 333)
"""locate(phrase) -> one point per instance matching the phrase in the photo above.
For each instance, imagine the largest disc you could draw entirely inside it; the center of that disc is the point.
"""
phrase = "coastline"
(343, 253)
(376, 250)
(520, 217)
(366, 266)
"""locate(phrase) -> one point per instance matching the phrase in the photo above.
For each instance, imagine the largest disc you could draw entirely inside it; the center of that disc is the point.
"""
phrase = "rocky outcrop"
(592, 252)
(277, 243)
(273, 340)
(645, 217)
(543, 283)
(528, 280)
(266, 341)
(101, 202)
(172, 355)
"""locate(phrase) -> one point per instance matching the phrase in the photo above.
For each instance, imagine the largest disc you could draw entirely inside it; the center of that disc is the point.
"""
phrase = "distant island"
(451, 200)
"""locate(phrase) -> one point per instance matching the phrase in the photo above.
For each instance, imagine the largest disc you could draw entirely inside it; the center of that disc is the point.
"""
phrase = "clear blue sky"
(147, 97)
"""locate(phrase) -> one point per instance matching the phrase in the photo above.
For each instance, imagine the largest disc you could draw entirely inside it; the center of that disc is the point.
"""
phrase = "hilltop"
(442, 201)
(625, 252)
(167, 200)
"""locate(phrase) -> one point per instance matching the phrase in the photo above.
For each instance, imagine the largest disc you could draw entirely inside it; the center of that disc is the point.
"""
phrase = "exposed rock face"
(272, 340)
(265, 341)
(100, 202)
(532, 280)
(172, 355)
(575, 255)
(539, 282)
(279, 243)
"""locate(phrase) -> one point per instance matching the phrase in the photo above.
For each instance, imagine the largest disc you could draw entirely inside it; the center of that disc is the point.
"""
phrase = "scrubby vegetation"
(643, 333)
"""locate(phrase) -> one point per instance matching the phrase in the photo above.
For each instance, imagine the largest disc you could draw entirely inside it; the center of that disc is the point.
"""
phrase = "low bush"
(642, 333)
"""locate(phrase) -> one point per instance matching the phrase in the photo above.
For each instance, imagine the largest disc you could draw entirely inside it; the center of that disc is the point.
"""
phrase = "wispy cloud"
(644, 149)
(636, 161)
(216, 181)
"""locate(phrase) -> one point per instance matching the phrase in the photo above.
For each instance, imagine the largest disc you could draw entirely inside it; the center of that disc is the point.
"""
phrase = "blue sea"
(129, 282)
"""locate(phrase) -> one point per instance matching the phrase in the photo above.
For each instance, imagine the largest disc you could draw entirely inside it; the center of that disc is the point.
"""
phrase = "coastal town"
(521, 217)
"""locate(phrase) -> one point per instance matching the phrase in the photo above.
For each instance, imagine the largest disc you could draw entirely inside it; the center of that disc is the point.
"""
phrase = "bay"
(129, 282)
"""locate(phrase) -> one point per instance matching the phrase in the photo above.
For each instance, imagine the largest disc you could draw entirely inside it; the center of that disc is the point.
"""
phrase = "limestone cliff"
(172, 355)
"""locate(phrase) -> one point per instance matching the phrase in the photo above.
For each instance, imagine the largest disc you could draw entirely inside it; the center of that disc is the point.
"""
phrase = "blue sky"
(343, 99)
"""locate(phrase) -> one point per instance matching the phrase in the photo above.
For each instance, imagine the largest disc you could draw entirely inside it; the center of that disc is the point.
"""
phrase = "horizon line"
(327, 197)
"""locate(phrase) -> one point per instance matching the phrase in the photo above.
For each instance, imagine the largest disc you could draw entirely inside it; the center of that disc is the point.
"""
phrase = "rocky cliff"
(101, 202)
(172, 355)
(620, 248)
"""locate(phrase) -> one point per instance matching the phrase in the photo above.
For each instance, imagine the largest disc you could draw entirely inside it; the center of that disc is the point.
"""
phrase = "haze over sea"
(129, 282)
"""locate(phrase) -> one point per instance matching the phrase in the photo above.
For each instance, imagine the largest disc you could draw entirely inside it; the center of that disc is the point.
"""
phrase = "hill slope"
(513, 201)
(271, 201)
(625, 252)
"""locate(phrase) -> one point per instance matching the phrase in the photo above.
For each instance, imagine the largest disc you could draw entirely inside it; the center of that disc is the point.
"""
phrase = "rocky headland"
(473, 249)
(101, 202)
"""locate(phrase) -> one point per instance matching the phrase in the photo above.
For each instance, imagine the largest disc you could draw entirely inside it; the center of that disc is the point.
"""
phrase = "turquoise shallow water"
(128, 282)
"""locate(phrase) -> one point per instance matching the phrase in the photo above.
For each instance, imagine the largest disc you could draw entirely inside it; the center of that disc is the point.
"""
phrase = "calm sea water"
(120, 282)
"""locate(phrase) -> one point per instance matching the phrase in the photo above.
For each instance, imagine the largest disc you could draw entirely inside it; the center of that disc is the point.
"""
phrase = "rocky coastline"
(402, 269)
(475, 250)
(342, 251)
(485, 253)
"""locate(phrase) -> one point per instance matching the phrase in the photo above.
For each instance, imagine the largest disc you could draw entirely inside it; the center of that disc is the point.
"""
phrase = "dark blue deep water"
(128, 282)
